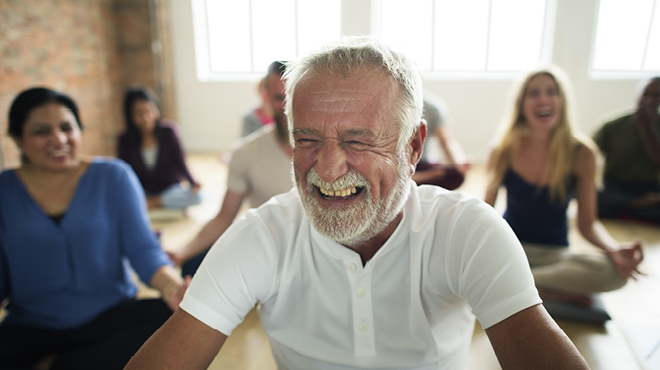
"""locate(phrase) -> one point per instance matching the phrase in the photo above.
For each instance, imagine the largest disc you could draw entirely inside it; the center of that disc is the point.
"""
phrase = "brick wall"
(144, 48)
(89, 49)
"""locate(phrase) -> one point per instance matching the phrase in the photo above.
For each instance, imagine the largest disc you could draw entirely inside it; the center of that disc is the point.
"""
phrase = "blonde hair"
(564, 141)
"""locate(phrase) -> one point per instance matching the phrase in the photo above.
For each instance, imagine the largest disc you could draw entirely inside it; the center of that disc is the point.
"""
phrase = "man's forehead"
(344, 100)
(331, 93)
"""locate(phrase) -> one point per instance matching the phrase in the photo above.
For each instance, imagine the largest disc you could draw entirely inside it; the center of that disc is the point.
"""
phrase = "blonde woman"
(543, 163)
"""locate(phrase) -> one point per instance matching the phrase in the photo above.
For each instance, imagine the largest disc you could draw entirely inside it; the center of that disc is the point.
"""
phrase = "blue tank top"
(532, 215)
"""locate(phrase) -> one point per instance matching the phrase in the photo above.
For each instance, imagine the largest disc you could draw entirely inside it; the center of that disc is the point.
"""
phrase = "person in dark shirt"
(631, 146)
(152, 147)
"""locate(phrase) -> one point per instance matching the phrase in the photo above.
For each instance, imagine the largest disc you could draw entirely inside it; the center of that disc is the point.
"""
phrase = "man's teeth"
(338, 193)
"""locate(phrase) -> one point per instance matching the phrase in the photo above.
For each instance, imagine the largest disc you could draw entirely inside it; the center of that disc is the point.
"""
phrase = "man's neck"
(369, 248)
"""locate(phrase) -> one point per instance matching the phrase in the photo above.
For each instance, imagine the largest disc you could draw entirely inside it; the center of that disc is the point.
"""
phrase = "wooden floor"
(629, 342)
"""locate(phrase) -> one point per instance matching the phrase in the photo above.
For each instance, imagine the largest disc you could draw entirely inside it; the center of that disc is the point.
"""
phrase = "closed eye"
(306, 143)
(357, 145)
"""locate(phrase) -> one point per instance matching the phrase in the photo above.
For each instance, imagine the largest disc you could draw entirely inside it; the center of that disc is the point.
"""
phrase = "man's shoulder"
(619, 121)
(254, 140)
(278, 220)
(431, 194)
(285, 206)
(443, 207)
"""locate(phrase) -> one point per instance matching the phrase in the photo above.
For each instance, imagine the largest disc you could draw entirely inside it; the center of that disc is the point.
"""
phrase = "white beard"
(359, 222)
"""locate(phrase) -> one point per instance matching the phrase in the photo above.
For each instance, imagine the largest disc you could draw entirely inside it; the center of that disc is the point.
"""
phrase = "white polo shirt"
(410, 307)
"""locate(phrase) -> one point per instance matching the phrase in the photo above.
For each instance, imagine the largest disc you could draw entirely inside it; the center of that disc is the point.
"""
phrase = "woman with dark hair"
(152, 147)
(69, 226)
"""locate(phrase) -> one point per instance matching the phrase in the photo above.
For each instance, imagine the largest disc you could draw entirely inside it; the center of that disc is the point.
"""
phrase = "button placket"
(363, 328)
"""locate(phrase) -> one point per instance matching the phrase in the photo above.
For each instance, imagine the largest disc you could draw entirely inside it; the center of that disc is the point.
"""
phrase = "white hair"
(350, 53)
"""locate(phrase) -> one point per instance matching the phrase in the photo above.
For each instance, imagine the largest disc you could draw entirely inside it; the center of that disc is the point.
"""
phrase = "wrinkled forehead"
(366, 88)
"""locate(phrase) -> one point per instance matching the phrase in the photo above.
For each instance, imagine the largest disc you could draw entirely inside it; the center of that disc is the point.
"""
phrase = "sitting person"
(260, 116)
(631, 145)
(428, 170)
(543, 163)
(68, 226)
(357, 267)
(259, 168)
(152, 147)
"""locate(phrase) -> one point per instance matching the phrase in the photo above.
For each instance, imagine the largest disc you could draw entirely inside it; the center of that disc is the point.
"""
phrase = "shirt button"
(351, 267)
(363, 327)
(361, 292)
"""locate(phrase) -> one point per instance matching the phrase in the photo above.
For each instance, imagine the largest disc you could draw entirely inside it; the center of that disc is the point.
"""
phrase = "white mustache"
(349, 180)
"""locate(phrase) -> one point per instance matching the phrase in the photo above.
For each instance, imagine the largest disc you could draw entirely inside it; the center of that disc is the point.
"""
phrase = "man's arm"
(530, 339)
(213, 229)
(183, 342)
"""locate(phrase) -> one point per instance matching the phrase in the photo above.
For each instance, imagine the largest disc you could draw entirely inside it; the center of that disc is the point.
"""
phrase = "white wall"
(210, 112)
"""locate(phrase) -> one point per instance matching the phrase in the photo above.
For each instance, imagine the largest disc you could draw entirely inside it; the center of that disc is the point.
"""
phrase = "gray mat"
(596, 314)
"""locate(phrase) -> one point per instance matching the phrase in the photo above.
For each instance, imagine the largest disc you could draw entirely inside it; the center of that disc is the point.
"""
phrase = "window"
(482, 36)
(235, 38)
(627, 36)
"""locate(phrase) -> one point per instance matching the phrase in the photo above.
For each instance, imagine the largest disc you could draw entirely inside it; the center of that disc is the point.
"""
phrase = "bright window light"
(468, 35)
(627, 36)
(242, 37)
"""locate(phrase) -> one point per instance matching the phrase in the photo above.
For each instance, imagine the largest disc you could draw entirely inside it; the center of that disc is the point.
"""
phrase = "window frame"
(547, 45)
(202, 48)
(615, 75)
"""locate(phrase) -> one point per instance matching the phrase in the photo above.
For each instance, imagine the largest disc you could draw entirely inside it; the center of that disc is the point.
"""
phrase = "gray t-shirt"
(436, 114)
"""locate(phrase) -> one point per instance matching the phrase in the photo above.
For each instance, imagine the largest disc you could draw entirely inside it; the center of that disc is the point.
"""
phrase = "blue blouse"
(63, 276)
(532, 215)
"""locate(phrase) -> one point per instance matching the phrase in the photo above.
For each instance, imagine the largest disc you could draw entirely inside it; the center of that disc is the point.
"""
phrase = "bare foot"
(553, 295)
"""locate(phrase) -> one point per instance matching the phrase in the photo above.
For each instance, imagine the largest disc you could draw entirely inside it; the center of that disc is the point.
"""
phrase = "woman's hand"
(176, 257)
(174, 295)
(627, 258)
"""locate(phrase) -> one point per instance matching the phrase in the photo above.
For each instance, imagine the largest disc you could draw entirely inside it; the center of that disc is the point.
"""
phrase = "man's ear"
(417, 144)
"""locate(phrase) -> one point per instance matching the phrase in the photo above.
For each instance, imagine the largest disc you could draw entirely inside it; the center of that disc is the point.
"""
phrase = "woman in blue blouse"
(152, 147)
(69, 226)
(543, 163)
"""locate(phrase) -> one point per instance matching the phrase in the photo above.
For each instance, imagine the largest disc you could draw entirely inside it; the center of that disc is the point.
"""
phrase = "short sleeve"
(138, 240)
(489, 268)
(238, 272)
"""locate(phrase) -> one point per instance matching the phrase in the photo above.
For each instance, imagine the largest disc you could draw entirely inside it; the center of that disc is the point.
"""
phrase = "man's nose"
(331, 162)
